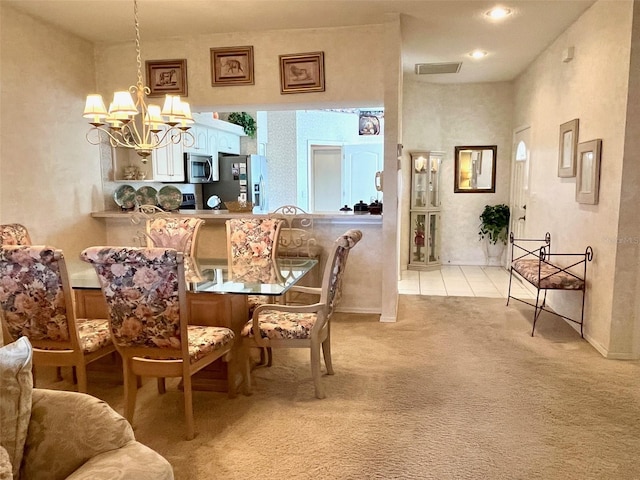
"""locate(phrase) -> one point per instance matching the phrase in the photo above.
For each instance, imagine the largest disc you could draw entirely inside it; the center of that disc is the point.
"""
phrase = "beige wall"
(347, 77)
(593, 88)
(439, 117)
(50, 177)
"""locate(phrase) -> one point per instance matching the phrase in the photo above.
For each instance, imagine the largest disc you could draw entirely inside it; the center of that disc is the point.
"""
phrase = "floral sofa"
(51, 434)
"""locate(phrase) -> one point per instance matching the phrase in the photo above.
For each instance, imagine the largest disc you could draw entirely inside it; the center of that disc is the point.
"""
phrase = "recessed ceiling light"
(498, 13)
(478, 54)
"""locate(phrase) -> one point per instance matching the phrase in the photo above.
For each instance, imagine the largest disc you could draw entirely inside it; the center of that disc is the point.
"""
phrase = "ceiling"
(433, 31)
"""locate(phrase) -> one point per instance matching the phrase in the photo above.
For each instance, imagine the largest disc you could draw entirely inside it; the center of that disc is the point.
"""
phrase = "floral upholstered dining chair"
(253, 237)
(252, 241)
(304, 326)
(146, 297)
(14, 234)
(174, 232)
(36, 301)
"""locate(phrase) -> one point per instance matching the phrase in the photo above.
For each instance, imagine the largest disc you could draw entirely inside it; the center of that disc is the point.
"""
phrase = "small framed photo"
(167, 77)
(232, 66)
(588, 175)
(567, 153)
(302, 73)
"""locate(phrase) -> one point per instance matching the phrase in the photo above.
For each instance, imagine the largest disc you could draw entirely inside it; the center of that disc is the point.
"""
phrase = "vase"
(493, 252)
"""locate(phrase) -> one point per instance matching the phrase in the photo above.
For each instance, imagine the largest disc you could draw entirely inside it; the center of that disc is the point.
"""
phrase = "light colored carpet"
(456, 389)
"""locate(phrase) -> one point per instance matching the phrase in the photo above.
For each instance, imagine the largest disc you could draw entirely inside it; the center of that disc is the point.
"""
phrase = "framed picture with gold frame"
(232, 66)
(588, 175)
(567, 149)
(167, 77)
(302, 73)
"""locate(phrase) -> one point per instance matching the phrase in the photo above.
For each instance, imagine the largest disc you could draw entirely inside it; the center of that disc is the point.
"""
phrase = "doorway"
(325, 181)
(343, 175)
(520, 182)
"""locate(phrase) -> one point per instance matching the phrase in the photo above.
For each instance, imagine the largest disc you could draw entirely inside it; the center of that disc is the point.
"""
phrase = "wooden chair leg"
(58, 374)
(326, 352)
(80, 373)
(162, 387)
(188, 406)
(247, 374)
(130, 389)
(315, 370)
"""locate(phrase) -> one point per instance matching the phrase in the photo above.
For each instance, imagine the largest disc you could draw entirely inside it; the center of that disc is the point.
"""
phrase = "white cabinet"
(168, 163)
(212, 142)
(200, 140)
(228, 142)
(424, 250)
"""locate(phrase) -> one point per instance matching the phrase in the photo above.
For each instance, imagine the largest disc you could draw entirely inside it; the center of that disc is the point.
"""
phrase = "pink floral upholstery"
(253, 237)
(305, 325)
(545, 275)
(283, 325)
(249, 238)
(35, 305)
(141, 289)
(178, 233)
(14, 234)
(33, 301)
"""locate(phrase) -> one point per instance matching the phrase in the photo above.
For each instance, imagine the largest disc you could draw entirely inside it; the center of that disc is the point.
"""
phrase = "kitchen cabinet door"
(168, 163)
(200, 140)
(212, 142)
(228, 142)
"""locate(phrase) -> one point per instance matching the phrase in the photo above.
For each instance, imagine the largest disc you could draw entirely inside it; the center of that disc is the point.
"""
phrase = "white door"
(520, 182)
(326, 179)
(361, 164)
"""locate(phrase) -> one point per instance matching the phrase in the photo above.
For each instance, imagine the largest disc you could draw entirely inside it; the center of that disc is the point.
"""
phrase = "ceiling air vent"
(436, 68)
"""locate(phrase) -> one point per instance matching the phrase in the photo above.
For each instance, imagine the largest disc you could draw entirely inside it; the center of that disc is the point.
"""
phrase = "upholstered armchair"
(14, 234)
(145, 293)
(36, 301)
(304, 326)
(55, 435)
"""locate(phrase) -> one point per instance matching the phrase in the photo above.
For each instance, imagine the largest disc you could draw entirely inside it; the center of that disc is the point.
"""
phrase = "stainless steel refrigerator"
(241, 176)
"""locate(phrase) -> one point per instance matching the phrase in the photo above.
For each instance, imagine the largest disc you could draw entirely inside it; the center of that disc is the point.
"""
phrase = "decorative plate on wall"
(125, 197)
(146, 195)
(169, 198)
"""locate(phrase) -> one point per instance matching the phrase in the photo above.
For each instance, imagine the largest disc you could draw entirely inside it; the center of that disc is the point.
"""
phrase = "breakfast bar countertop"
(338, 217)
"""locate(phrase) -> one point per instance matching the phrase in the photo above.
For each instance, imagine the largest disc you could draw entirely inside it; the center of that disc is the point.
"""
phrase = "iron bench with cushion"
(548, 271)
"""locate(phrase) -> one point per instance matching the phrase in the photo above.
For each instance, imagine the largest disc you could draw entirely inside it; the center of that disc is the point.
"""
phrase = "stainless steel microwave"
(201, 168)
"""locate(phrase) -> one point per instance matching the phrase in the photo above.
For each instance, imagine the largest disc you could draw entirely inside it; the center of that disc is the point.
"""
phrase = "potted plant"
(494, 226)
(245, 120)
(494, 223)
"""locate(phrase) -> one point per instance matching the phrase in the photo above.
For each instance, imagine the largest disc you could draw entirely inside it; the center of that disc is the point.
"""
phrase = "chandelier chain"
(138, 56)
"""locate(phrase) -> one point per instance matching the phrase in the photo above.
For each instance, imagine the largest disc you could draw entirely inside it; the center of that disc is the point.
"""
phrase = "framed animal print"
(232, 66)
(167, 77)
(302, 73)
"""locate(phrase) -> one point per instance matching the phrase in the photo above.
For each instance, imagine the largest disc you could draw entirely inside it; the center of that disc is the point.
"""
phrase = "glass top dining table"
(252, 277)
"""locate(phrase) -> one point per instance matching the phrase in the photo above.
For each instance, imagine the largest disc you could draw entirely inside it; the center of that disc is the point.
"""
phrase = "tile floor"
(462, 281)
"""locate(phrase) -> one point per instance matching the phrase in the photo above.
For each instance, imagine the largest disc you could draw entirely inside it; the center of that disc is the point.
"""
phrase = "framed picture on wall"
(167, 77)
(232, 66)
(567, 152)
(302, 73)
(588, 174)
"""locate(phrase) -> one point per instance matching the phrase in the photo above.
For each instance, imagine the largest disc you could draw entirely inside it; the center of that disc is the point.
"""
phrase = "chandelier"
(136, 124)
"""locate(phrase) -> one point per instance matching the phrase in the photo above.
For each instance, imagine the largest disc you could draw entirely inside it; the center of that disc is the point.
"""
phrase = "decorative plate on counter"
(146, 195)
(169, 198)
(125, 197)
